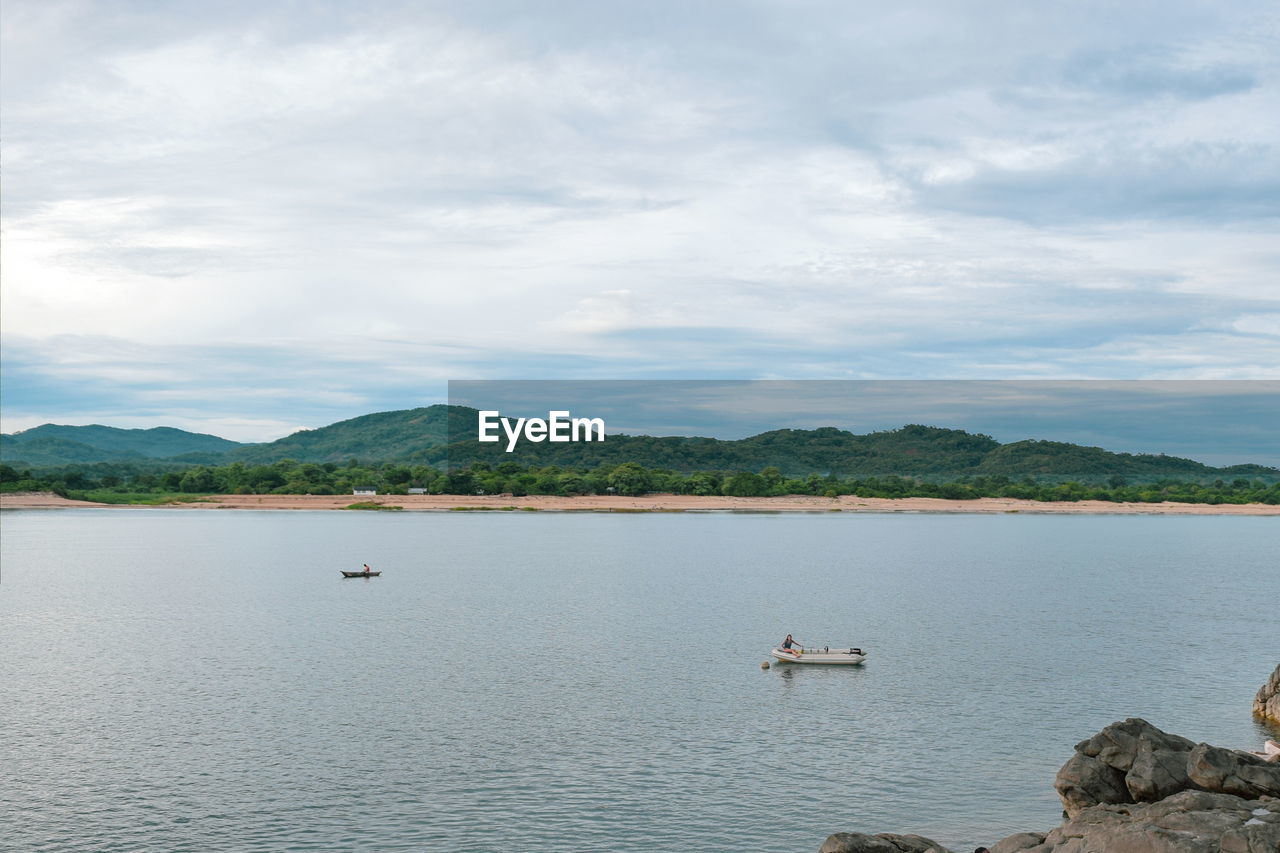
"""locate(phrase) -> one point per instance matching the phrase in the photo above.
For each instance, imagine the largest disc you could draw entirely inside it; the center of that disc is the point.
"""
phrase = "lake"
(190, 680)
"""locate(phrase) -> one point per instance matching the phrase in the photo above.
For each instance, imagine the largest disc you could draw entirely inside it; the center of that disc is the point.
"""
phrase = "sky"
(248, 218)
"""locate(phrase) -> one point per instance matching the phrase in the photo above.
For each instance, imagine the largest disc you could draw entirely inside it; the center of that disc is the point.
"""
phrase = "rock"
(886, 842)
(1117, 744)
(1159, 769)
(1135, 762)
(1085, 781)
(1133, 788)
(1021, 841)
(1267, 703)
(1216, 769)
(1127, 762)
(1188, 822)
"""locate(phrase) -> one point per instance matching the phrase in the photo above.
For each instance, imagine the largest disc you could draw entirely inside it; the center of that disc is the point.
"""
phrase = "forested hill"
(54, 445)
(924, 452)
(413, 436)
(421, 437)
(909, 451)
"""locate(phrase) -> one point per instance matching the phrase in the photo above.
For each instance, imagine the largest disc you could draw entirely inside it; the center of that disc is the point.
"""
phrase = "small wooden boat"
(824, 655)
(359, 574)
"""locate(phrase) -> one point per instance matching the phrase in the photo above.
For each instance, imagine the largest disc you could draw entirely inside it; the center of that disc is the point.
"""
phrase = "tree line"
(123, 483)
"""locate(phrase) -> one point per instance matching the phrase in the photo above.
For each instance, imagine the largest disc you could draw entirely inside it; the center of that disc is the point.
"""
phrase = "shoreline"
(658, 503)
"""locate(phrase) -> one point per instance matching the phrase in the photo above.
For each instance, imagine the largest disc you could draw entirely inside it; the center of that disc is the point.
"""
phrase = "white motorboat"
(822, 655)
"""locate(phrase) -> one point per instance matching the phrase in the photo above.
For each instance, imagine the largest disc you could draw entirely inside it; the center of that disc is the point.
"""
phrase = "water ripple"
(184, 681)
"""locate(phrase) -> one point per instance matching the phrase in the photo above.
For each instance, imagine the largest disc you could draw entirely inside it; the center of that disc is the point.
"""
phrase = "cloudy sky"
(245, 218)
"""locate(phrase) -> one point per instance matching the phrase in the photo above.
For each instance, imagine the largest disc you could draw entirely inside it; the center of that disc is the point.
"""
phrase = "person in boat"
(788, 643)
(367, 570)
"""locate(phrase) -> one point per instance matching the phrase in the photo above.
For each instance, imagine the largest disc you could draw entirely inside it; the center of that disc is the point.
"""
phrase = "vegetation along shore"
(638, 504)
(433, 451)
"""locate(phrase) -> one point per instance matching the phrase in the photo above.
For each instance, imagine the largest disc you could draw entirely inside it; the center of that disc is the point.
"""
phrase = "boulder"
(1267, 703)
(1127, 762)
(1159, 769)
(1117, 744)
(1018, 842)
(1135, 762)
(886, 842)
(1216, 769)
(1133, 788)
(1188, 822)
(1085, 781)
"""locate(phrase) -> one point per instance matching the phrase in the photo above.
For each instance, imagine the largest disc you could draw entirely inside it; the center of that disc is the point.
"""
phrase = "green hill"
(422, 436)
(52, 445)
(923, 452)
(1055, 458)
(51, 452)
(416, 436)
(910, 451)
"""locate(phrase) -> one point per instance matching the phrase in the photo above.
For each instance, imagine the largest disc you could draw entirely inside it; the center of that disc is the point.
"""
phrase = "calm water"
(179, 680)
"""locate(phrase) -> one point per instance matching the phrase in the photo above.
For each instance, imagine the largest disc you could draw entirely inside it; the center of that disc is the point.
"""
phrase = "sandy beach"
(666, 503)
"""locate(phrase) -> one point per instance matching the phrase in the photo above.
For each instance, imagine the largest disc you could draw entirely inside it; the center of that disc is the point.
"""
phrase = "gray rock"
(1135, 762)
(1159, 769)
(886, 842)
(1267, 703)
(1254, 838)
(1117, 744)
(1187, 822)
(1216, 769)
(1020, 841)
(1195, 801)
(1133, 788)
(1086, 781)
(1126, 762)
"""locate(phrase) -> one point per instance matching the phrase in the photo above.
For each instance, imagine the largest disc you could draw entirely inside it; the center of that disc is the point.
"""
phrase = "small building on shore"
(364, 491)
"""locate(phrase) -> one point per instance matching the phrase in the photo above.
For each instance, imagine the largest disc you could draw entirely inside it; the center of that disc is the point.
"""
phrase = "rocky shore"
(1266, 705)
(1133, 788)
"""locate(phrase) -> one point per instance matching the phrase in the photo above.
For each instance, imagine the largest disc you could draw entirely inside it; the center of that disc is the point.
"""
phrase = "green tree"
(573, 484)
(461, 482)
(746, 484)
(197, 481)
(629, 479)
(703, 483)
(397, 474)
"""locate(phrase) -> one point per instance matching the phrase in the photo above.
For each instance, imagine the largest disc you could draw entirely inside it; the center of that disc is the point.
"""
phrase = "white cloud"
(920, 189)
(1258, 324)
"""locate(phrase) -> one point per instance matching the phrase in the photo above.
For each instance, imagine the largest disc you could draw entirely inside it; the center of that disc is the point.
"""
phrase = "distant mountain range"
(53, 445)
(422, 437)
